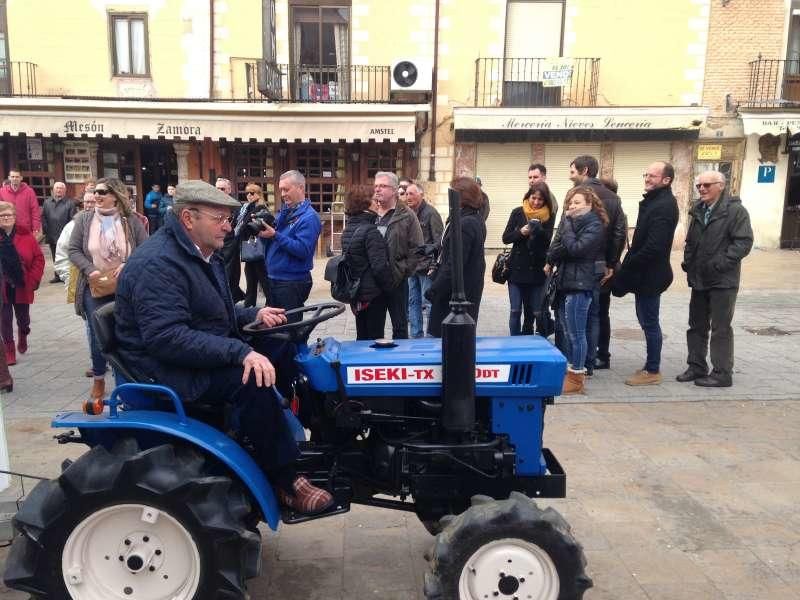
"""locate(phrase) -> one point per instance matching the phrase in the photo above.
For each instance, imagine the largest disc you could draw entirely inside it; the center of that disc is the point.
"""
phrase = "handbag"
(72, 286)
(500, 268)
(252, 250)
(344, 283)
(105, 285)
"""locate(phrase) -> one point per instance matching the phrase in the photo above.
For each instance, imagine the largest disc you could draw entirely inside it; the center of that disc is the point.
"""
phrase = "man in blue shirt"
(152, 207)
(291, 244)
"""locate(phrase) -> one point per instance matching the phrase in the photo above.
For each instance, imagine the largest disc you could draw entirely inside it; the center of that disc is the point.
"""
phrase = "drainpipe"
(434, 93)
(211, 50)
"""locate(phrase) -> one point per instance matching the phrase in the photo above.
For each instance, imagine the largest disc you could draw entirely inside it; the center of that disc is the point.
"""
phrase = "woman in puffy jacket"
(529, 229)
(578, 255)
(367, 256)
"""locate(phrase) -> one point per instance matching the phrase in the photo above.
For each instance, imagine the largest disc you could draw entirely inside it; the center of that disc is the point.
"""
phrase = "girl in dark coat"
(367, 255)
(473, 234)
(579, 255)
(529, 229)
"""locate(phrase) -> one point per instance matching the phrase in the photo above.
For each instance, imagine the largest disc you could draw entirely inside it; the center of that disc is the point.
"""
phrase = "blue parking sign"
(766, 174)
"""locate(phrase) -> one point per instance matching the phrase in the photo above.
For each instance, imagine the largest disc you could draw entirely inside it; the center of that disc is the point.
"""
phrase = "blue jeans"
(576, 313)
(524, 295)
(289, 294)
(647, 308)
(418, 284)
(91, 304)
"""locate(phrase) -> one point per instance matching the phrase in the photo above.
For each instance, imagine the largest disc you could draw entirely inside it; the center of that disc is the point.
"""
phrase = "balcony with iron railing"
(17, 78)
(774, 83)
(536, 82)
(274, 82)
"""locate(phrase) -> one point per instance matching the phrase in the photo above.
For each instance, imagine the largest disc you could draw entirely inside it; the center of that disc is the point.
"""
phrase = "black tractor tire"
(516, 522)
(214, 518)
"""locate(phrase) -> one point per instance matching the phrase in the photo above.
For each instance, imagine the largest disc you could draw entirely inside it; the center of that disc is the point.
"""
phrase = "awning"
(257, 122)
(598, 122)
(775, 123)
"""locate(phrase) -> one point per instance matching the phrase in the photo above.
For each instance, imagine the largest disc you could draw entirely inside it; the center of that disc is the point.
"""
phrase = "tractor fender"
(198, 434)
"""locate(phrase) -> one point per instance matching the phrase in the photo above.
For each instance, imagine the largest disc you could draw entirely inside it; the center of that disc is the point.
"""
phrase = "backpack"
(344, 283)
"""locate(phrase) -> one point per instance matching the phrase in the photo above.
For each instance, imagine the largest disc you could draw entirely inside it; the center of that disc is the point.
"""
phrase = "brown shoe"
(307, 498)
(573, 383)
(644, 378)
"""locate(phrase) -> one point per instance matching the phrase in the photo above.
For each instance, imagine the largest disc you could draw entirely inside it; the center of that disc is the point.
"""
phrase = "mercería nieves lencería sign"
(576, 123)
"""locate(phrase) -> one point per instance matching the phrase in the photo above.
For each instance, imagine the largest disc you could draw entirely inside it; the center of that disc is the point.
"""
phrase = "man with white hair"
(57, 211)
(719, 236)
(400, 226)
(291, 244)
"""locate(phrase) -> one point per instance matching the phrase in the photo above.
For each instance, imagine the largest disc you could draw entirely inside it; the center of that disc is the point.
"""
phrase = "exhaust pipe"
(458, 339)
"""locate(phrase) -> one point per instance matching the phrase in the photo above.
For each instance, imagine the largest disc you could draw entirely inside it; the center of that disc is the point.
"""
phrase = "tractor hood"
(505, 366)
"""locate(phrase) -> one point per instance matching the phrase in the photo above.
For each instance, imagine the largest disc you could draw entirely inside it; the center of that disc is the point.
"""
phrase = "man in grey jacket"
(57, 211)
(418, 283)
(719, 236)
(399, 225)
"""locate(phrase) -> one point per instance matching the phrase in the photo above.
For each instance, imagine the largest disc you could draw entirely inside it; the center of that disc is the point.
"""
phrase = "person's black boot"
(690, 374)
(600, 364)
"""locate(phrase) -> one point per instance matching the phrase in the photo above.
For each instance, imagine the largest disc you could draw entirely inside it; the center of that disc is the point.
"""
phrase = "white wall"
(764, 201)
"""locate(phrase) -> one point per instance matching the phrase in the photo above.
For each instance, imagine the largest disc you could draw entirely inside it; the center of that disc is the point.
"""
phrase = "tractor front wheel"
(506, 549)
(151, 525)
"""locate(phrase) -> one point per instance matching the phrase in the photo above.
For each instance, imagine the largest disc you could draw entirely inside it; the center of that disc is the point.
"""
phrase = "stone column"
(93, 148)
(182, 154)
(466, 159)
(682, 160)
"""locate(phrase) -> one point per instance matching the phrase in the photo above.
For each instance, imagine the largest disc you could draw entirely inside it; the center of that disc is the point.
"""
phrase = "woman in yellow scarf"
(529, 229)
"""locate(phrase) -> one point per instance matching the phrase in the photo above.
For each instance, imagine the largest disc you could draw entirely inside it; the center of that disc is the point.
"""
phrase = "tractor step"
(342, 493)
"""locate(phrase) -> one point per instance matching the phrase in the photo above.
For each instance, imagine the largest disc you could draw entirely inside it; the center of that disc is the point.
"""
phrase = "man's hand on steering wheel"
(271, 316)
(260, 366)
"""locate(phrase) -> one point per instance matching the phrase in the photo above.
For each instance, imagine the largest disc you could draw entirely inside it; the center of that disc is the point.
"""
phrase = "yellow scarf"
(543, 213)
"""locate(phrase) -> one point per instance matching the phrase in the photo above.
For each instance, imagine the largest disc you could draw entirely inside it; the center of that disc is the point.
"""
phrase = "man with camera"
(291, 244)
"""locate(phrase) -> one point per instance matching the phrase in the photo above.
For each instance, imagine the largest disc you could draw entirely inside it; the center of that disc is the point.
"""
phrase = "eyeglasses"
(217, 219)
(701, 186)
(101, 191)
(650, 176)
(7, 216)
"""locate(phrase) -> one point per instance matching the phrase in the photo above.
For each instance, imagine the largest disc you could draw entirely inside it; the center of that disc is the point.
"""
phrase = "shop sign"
(74, 126)
(557, 72)
(77, 162)
(766, 174)
(577, 123)
(177, 129)
(35, 149)
(709, 151)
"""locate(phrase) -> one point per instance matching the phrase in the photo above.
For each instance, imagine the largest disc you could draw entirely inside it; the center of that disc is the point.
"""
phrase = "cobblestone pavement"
(675, 491)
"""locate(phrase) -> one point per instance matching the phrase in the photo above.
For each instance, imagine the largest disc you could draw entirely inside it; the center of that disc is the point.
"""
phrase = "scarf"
(9, 260)
(109, 249)
(543, 213)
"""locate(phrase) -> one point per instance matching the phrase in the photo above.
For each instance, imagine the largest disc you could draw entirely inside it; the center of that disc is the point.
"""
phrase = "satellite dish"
(405, 73)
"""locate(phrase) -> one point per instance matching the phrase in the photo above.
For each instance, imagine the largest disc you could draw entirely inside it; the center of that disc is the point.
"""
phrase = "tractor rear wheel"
(506, 549)
(151, 525)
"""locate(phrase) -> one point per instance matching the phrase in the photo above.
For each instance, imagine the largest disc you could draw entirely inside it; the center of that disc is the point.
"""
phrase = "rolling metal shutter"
(503, 169)
(631, 159)
(557, 158)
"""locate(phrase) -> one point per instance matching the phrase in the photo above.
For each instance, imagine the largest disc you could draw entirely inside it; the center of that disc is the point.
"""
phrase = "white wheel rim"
(130, 551)
(509, 568)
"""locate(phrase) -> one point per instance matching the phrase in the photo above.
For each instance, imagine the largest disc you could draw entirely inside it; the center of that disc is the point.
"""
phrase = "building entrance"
(790, 230)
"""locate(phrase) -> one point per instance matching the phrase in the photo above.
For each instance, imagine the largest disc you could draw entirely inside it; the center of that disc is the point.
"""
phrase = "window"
(321, 53)
(254, 164)
(129, 45)
(325, 173)
(5, 67)
(35, 159)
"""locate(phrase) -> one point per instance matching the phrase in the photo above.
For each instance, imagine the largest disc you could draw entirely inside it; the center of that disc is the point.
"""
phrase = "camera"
(258, 222)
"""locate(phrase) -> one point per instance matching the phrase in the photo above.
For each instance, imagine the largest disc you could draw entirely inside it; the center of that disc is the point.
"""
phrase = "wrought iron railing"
(528, 82)
(312, 83)
(774, 83)
(17, 78)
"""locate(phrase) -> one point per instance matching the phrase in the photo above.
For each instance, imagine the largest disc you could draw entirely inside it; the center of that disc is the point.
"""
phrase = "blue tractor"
(165, 503)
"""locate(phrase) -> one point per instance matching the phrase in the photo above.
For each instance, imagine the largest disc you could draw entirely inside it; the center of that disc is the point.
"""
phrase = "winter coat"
(403, 237)
(29, 215)
(152, 203)
(528, 254)
(290, 254)
(579, 253)
(473, 236)
(646, 269)
(713, 254)
(56, 214)
(367, 255)
(430, 221)
(175, 317)
(616, 231)
(80, 256)
(32, 261)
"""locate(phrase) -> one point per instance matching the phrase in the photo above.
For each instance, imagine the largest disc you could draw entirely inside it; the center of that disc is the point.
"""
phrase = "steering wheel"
(299, 329)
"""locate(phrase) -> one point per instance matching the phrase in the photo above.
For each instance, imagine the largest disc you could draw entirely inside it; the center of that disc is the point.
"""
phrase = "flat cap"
(201, 192)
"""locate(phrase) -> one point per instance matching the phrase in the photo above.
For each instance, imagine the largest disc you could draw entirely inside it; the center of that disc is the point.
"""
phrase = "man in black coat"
(646, 270)
(176, 324)
(718, 237)
(232, 245)
(57, 211)
(583, 171)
